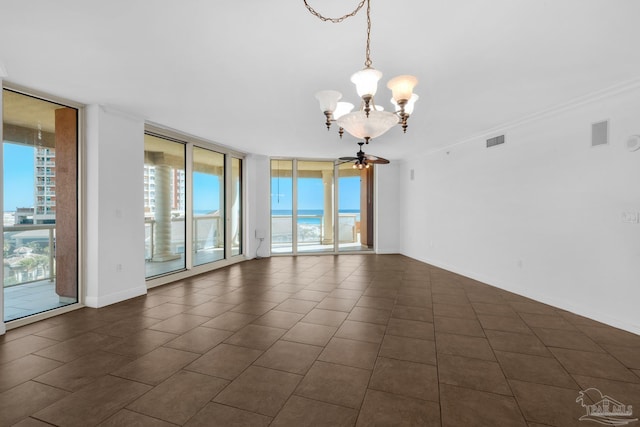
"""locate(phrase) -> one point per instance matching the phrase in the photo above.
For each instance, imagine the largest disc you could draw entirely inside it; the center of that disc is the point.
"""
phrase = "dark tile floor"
(366, 340)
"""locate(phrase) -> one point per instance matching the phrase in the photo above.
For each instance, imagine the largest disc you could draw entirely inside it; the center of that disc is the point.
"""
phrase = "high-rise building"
(45, 186)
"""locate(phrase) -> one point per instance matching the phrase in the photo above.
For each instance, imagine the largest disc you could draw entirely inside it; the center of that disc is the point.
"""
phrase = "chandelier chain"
(367, 61)
(334, 20)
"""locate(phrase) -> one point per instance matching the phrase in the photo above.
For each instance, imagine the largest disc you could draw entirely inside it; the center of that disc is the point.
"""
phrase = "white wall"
(386, 204)
(3, 328)
(540, 215)
(258, 204)
(114, 232)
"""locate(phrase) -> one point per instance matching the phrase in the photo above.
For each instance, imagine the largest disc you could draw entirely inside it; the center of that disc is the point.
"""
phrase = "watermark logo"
(605, 409)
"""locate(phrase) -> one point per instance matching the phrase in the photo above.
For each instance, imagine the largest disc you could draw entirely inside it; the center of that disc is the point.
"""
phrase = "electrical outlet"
(630, 217)
(260, 234)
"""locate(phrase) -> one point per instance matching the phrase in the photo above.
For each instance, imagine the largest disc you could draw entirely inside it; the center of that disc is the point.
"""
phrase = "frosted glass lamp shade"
(366, 81)
(328, 99)
(361, 126)
(402, 87)
(408, 107)
(342, 108)
(411, 104)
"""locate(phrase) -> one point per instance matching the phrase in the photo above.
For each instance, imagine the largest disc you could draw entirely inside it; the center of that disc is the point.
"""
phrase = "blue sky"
(206, 192)
(310, 193)
(18, 192)
(18, 176)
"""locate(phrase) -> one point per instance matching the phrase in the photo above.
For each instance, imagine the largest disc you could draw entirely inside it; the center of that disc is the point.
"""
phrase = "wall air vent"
(496, 140)
(600, 133)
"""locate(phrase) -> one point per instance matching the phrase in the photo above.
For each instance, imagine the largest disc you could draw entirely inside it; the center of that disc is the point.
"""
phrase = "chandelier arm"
(335, 20)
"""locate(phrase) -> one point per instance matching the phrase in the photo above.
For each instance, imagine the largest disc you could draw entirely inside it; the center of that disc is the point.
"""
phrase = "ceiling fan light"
(366, 81)
(342, 108)
(328, 99)
(402, 87)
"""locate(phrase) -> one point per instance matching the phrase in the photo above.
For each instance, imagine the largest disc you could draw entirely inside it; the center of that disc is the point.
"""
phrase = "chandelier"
(370, 120)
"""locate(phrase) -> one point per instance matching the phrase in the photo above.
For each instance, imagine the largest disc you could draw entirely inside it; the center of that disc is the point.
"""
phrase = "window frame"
(191, 141)
(81, 201)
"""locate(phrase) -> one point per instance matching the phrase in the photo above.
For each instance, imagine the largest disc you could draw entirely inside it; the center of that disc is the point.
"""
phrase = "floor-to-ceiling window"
(315, 206)
(354, 208)
(40, 205)
(320, 207)
(164, 205)
(282, 212)
(193, 205)
(208, 206)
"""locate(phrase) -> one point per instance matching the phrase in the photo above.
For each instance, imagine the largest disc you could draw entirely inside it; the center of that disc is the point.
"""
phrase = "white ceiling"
(243, 73)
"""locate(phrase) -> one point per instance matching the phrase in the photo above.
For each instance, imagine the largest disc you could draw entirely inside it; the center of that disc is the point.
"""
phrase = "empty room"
(445, 233)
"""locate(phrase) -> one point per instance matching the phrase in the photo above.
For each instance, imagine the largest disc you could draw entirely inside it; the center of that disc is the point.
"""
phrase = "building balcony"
(29, 270)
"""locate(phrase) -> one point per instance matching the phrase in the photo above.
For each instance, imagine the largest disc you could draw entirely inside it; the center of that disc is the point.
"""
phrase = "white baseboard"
(588, 312)
(387, 251)
(3, 328)
(103, 301)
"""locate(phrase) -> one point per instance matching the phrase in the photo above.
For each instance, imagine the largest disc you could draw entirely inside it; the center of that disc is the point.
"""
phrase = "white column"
(222, 212)
(235, 209)
(162, 239)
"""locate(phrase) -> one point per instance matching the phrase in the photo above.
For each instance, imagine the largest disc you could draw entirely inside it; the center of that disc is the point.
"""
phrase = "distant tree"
(42, 263)
(37, 248)
(28, 264)
(7, 248)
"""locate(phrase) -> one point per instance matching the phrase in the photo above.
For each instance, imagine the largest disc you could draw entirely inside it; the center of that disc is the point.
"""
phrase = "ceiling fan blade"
(377, 160)
(348, 159)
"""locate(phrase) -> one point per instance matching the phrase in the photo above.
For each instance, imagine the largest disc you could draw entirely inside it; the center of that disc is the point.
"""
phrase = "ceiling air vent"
(496, 140)
(600, 133)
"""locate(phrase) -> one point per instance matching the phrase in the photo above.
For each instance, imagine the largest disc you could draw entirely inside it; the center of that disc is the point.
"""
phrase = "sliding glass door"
(282, 212)
(354, 207)
(193, 205)
(315, 206)
(320, 207)
(164, 205)
(208, 206)
(40, 205)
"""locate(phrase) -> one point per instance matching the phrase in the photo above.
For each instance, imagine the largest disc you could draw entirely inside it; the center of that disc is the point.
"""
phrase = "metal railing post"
(51, 256)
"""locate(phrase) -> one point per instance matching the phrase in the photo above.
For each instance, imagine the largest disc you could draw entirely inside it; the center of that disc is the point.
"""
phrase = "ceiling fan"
(362, 160)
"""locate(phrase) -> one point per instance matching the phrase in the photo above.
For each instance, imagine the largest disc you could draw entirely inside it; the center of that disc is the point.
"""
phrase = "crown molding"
(598, 95)
(109, 109)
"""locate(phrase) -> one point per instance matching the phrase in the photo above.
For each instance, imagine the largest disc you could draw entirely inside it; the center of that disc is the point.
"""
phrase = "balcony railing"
(29, 254)
(311, 229)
